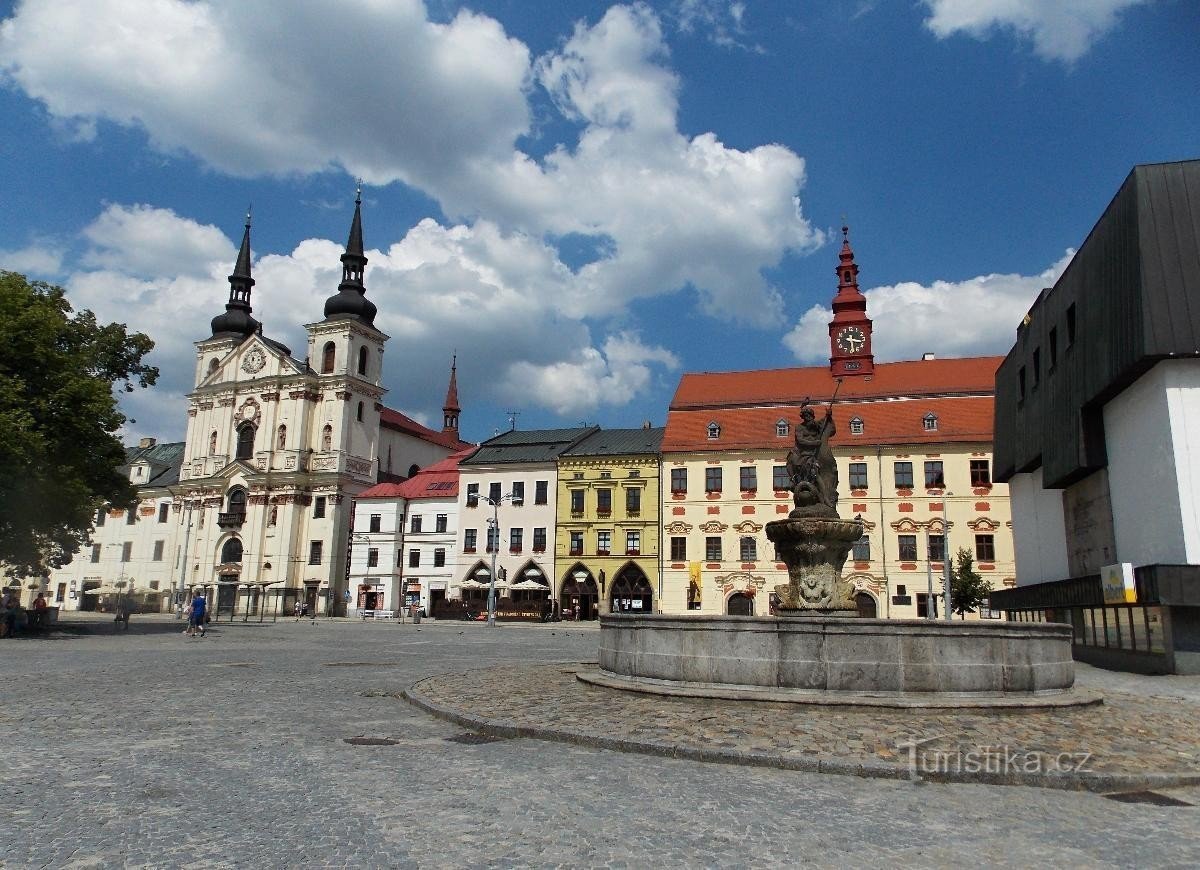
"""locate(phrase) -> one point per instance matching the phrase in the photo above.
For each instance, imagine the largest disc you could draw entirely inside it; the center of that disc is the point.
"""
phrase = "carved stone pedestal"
(815, 548)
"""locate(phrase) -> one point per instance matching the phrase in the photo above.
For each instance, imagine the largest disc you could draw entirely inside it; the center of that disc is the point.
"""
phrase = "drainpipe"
(887, 587)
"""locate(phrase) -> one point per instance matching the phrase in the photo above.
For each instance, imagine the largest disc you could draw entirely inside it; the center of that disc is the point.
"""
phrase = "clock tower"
(850, 328)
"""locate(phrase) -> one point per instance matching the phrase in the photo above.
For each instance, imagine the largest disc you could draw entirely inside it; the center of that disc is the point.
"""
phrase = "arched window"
(281, 438)
(212, 365)
(237, 501)
(327, 358)
(212, 443)
(714, 429)
(231, 552)
(245, 441)
(360, 409)
(327, 438)
(362, 360)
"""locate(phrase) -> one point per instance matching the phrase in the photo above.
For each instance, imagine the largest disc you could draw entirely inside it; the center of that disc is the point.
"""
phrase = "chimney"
(146, 442)
(926, 357)
(645, 424)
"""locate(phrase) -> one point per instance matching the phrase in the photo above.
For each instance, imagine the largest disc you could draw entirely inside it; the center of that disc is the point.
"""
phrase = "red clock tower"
(850, 329)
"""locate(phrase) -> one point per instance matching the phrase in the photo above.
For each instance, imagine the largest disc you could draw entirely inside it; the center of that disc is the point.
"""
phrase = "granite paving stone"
(149, 749)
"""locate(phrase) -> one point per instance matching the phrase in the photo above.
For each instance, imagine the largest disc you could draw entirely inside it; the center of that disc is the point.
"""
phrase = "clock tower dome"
(850, 328)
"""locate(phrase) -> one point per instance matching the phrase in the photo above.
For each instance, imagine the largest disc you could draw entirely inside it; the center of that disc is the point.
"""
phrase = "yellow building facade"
(607, 553)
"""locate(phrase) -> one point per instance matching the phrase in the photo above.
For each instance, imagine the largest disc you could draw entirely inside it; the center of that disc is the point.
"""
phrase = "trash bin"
(416, 615)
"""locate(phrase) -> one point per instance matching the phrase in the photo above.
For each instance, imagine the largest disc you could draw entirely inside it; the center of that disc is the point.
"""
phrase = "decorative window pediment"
(983, 524)
(679, 527)
(748, 527)
(905, 525)
(713, 527)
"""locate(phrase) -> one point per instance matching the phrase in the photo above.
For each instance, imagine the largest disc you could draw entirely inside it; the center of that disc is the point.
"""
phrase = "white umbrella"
(531, 584)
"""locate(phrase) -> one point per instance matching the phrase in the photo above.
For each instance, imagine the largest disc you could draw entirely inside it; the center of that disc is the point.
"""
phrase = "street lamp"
(946, 547)
(495, 523)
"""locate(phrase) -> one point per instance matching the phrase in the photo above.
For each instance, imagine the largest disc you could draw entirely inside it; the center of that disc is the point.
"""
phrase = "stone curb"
(870, 769)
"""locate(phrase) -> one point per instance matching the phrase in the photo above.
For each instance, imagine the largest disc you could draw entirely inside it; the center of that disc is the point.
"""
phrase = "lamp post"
(946, 554)
(495, 523)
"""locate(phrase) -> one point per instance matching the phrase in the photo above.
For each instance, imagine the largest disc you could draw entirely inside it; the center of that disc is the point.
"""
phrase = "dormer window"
(930, 422)
(856, 426)
(714, 429)
(781, 427)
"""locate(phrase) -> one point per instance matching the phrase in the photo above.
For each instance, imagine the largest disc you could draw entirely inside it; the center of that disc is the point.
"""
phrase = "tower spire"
(450, 410)
(351, 300)
(850, 328)
(236, 321)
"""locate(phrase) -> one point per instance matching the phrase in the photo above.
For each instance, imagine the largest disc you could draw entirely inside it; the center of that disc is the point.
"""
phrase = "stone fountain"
(816, 650)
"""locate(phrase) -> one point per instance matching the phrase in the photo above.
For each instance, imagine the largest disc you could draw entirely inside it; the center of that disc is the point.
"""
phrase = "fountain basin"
(837, 660)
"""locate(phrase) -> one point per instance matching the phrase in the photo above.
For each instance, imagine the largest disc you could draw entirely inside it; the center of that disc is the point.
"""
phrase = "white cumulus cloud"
(1060, 29)
(975, 317)
(488, 294)
(383, 91)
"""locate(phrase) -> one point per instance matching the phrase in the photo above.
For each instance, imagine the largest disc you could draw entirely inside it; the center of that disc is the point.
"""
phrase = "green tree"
(968, 589)
(58, 417)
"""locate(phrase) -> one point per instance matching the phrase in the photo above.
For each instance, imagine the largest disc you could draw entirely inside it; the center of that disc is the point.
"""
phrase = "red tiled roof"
(439, 480)
(936, 377)
(403, 423)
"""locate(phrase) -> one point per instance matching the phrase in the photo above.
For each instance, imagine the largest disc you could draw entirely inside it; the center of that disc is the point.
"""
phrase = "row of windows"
(633, 500)
(929, 423)
(329, 357)
(1052, 347)
(516, 539)
(131, 515)
(541, 493)
(902, 472)
(633, 542)
(127, 551)
(244, 448)
(985, 548)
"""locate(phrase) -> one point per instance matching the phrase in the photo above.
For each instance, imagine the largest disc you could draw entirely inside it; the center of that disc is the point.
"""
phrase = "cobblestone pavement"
(1128, 740)
(151, 749)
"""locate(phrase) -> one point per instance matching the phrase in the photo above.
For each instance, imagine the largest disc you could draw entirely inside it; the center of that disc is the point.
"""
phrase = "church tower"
(346, 352)
(450, 410)
(850, 328)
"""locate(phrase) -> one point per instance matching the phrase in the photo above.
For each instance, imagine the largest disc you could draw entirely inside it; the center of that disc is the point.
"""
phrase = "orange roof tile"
(439, 480)
(896, 421)
(972, 375)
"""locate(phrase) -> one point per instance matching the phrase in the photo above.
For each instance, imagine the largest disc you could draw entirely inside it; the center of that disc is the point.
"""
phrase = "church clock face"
(851, 339)
(253, 361)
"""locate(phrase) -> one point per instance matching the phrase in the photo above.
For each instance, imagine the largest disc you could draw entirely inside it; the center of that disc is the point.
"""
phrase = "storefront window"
(1154, 626)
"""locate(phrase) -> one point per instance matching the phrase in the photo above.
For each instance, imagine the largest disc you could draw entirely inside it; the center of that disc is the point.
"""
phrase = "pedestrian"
(8, 614)
(298, 609)
(40, 609)
(198, 615)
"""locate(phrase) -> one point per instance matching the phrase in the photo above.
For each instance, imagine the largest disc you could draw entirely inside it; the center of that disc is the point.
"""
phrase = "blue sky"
(584, 200)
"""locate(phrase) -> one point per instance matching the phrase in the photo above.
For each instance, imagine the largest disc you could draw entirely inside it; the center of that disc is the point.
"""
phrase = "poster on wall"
(1117, 583)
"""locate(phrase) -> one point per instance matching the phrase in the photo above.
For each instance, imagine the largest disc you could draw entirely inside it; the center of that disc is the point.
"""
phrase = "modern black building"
(1097, 432)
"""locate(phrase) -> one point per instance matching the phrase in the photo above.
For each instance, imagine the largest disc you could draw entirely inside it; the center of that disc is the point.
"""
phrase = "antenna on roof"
(512, 419)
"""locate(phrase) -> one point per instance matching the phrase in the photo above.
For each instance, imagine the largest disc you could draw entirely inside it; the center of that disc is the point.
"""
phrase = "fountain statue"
(814, 541)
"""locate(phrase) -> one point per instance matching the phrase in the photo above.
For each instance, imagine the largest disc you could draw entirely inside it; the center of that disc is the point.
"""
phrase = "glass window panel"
(1155, 627)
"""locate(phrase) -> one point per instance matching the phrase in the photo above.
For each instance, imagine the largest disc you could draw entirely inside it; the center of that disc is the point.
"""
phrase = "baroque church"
(278, 444)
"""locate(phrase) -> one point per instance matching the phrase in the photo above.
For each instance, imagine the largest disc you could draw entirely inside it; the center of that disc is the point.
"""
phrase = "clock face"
(851, 339)
(254, 360)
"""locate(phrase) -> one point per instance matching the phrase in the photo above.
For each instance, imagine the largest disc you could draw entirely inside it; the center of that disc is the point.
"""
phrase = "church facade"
(278, 444)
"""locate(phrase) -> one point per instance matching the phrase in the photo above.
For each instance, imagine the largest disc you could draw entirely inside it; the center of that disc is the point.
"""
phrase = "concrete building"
(1097, 406)
(913, 443)
(606, 544)
(512, 479)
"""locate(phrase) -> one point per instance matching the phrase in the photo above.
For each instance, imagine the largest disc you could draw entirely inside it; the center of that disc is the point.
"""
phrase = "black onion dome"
(237, 320)
(351, 299)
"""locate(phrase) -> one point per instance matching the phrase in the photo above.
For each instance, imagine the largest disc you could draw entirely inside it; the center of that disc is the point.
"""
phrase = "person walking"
(197, 615)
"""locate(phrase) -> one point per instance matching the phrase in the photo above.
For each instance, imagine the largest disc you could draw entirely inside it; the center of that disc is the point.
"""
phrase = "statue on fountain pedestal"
(814, 541)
